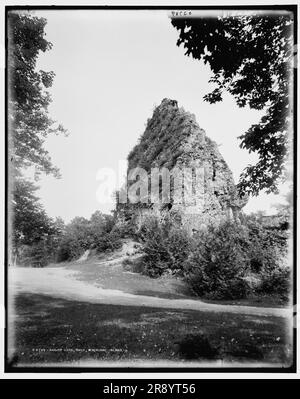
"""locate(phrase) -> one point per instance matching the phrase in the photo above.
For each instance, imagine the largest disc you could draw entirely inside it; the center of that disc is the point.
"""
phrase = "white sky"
(111, 68)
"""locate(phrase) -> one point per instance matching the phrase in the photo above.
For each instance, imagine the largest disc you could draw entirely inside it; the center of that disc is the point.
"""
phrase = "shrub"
(218, 262)
(40, 253)
(268, 253)
(35, 255)
(69, 250)
(135, 265)
(267, 246)
(276, 281)
(107, 241)
(165, 246)
(99, 233)
(126, 229)
(64, 253)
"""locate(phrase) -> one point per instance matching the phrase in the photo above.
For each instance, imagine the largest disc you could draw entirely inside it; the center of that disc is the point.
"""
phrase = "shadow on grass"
(52, 330)
(197, 346)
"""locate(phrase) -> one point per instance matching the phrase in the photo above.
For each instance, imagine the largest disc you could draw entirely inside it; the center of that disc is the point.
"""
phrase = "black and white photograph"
(151, 188)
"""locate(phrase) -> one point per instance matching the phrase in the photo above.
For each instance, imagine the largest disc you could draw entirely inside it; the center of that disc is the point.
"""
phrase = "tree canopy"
(29, 120)
(29, 124)
(251, 58)
(30, 222)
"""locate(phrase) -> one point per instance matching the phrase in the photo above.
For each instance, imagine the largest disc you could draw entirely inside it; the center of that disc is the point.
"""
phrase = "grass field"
(50, 330)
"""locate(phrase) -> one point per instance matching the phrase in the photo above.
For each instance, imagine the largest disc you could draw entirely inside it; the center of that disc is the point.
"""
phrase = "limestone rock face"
(173, 140)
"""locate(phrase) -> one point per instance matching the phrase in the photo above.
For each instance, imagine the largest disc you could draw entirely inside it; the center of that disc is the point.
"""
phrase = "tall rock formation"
(173, 140)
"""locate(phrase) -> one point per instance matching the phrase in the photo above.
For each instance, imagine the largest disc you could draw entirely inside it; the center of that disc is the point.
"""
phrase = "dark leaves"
(28, 97)
(250, 57)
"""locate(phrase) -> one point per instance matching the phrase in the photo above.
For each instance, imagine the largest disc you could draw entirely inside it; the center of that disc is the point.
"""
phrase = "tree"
(81, 234)
(251, 58)
(29, 124)
(30, 221)
(60, 226)
(29, 121)
(101, 223)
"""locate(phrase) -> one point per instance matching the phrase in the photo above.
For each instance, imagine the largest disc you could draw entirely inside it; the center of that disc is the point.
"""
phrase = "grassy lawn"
(169, 287)
(264, 301)
(56, 330)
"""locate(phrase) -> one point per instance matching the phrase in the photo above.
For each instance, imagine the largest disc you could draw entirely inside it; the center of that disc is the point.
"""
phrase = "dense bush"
(76, 239)
(99, 233)
(268, 255)
(68, 242)
(165, 246)
(218, 262)
(276, 281)
(35, 255)
(107, 241)
(267, 245)
(43, 249)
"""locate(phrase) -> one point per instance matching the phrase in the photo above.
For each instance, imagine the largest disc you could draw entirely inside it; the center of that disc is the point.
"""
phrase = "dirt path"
(63, 282)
